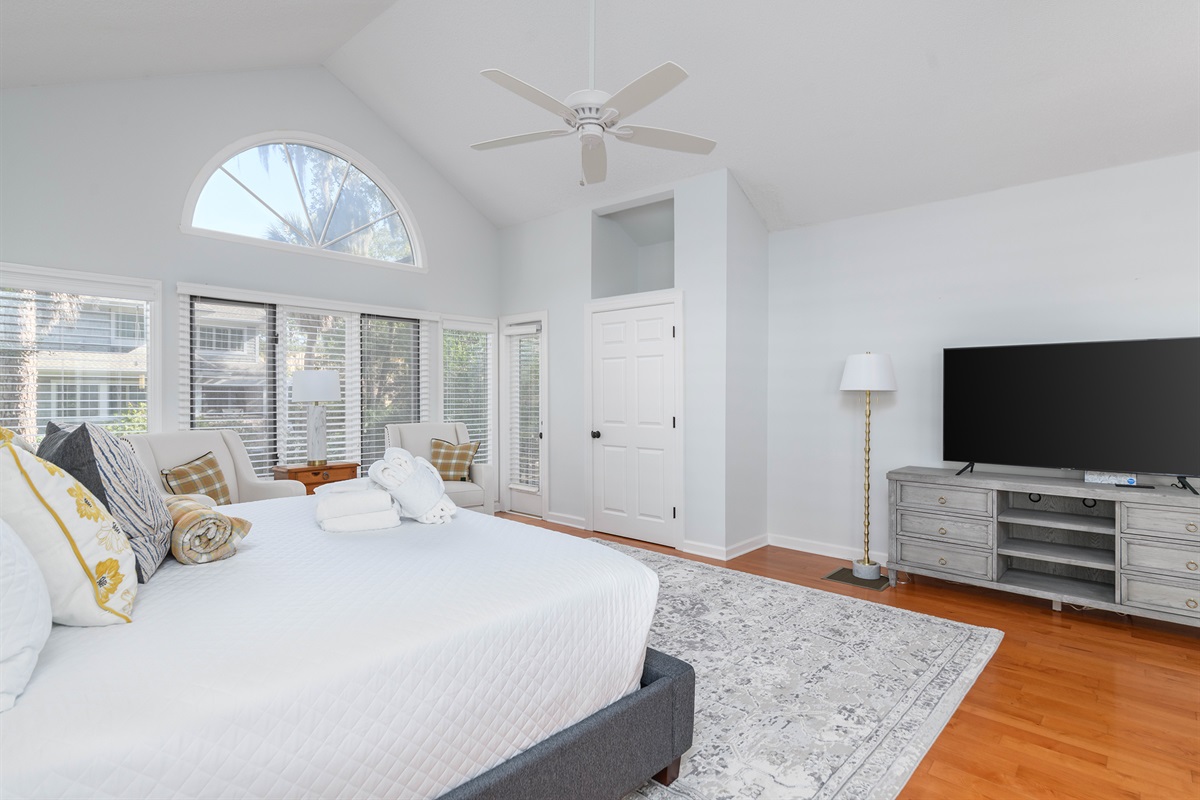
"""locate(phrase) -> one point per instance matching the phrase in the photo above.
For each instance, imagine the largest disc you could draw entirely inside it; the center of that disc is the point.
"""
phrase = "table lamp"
(867, 372)
(316, 387)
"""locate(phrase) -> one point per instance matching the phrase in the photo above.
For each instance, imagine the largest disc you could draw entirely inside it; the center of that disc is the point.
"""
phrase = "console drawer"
(945, 557)
(1160, 556)
(1179, 522)
(1176, 597)
(951, 529)
(961, 499)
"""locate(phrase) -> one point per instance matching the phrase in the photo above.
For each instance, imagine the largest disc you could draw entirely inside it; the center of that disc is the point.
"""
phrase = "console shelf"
(1059, 539)
(1059, 520)
(1041, 584)
(1057, 553)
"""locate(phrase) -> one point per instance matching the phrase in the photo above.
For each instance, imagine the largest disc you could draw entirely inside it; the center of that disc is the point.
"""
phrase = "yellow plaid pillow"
(453, 461)
(201, 476)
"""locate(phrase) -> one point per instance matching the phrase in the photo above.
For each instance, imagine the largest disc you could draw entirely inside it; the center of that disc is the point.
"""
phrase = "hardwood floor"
(1080, 705)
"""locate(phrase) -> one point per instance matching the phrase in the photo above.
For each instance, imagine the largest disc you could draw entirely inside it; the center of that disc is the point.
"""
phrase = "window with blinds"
(72, 358)
(525, 412)
(467, 386)
(319, 340)
(230, 378)
(395, 382)
(240, 358)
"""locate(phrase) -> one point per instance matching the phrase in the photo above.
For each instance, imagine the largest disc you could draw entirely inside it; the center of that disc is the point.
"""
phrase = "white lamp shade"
(868, 372)
(316, 386)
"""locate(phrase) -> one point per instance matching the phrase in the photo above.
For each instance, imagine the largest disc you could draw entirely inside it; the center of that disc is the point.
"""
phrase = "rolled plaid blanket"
(201, 534)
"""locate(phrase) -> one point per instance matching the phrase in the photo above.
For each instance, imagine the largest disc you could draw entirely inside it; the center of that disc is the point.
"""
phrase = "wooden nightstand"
(312, 477)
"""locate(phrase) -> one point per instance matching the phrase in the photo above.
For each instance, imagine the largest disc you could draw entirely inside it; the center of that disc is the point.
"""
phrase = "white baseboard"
(570, 520)
(723, 553)
(823, 548)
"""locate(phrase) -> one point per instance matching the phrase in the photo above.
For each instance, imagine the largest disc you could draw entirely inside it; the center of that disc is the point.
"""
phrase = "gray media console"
(1134, 551)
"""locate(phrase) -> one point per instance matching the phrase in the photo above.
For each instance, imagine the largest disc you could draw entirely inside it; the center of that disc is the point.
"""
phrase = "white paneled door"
(633, 422)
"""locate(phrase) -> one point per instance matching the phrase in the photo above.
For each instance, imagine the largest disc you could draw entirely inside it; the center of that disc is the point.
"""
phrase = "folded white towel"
(374, 521)
(352, 485)
(348, 504)
(416, 485)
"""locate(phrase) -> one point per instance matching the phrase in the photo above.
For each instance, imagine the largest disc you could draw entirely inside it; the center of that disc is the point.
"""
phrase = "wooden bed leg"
(669, 773)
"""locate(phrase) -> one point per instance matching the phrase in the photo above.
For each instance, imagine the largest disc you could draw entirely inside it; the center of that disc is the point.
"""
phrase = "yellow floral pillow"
(86, 560)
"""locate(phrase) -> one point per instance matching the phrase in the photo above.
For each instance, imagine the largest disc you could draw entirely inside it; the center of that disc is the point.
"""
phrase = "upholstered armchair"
(159, 451)
(476, 494)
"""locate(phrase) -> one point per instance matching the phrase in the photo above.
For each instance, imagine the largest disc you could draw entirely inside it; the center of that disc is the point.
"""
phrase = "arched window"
(297, 192)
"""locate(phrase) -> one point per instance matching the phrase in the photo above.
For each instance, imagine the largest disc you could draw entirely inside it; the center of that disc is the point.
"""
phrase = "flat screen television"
(1126, 406)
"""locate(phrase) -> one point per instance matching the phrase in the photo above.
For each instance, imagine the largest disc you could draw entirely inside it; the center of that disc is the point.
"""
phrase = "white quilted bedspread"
(389, 664)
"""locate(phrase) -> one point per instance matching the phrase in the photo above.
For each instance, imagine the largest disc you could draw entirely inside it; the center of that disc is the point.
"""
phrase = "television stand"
(1183, 484)
(970, 466)
(1060, 539)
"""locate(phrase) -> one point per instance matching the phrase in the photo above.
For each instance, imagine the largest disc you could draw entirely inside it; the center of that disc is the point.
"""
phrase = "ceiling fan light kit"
(591, 113)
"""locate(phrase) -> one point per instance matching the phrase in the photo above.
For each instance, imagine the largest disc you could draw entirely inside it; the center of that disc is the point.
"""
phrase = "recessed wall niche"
(633, 249)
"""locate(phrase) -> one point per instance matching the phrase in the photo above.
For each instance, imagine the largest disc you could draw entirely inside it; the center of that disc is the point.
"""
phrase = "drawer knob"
(324, 476)
(1192, 565)
(1191, 603)
(1191, 526)
(942, 502)
(942, 531)
(942, 561)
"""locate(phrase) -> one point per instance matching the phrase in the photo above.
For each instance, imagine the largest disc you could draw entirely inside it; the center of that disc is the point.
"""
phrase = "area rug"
(802, 693)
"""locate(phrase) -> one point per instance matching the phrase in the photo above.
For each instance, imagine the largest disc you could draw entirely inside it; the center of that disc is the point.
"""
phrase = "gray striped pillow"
(108, 468)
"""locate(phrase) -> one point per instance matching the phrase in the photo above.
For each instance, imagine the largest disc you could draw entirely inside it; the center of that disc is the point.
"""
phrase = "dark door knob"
(595, 434)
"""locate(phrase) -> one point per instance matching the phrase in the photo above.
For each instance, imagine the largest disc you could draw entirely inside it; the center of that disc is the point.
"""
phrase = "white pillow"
(86, 560)
(24, 615)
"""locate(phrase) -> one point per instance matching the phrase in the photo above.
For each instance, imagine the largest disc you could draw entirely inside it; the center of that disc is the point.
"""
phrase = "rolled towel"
(201, 534)
(352, 485)
(348, 504)
(374, 521)
(440, 513)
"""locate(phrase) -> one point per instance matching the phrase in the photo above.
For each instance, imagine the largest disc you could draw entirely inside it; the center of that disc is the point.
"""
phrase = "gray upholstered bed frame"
(609, 754)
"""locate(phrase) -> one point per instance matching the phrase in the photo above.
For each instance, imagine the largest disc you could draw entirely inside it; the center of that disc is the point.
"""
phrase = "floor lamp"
(316, 387)
(867, 372)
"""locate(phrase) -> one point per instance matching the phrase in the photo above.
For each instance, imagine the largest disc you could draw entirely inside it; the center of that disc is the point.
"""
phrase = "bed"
(470, 658)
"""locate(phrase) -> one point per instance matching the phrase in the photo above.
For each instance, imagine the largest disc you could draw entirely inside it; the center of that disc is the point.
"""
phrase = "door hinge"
(672, 512)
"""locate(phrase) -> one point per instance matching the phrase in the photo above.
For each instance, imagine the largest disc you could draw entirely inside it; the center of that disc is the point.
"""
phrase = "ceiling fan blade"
(595, 162)
(535, 96)
(521, 139)
(665, 139)
(645, 90)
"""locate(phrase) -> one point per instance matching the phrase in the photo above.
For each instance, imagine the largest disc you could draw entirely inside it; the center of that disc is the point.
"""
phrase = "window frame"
(491, 328)
(336, 148)
(95, 284)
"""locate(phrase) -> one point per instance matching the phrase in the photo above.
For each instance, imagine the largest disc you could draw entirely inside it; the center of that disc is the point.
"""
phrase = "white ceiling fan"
(591, 113)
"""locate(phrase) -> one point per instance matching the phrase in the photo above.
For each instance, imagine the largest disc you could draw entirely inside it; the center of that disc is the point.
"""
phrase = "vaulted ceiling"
(822, 109)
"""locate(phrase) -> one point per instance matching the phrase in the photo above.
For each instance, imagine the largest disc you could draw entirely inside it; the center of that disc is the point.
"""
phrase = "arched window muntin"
(305, 235)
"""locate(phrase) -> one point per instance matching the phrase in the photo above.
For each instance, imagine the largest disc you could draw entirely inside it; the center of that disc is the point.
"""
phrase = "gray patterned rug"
(802, 693)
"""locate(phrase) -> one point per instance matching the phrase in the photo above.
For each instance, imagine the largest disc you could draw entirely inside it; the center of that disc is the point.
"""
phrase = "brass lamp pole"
(867, 372)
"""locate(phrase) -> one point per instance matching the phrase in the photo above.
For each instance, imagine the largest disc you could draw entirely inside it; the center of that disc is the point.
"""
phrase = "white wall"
(656, 266)
(746, 376)
(95, 177)
(614, 259)
(547, 267)
(1112, 254)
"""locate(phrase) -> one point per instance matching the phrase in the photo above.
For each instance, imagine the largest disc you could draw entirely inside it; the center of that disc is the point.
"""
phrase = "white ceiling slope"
(823, 109)
(46, 42)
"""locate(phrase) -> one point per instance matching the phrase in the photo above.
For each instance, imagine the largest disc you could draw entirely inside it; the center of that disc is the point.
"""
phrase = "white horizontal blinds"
(524, 424)
(395, 386)
(230, 373)
(467, 385)
(72, 358)
(311, 339)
